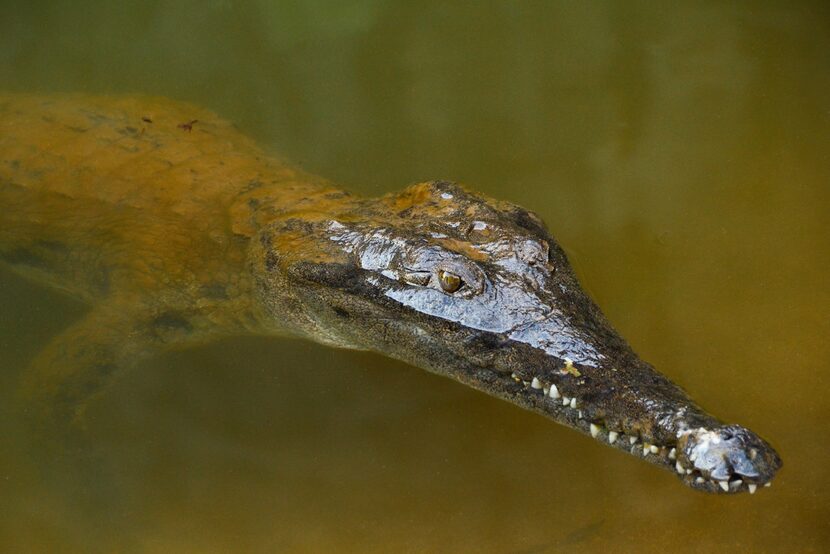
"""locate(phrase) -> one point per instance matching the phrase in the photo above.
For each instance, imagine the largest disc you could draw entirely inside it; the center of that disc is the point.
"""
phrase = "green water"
(682, 157)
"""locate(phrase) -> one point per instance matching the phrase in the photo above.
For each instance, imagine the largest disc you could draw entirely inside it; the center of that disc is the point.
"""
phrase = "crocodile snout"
(729, 457)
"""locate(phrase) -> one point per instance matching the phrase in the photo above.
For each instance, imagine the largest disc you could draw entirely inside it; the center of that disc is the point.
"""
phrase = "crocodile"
(177, 229)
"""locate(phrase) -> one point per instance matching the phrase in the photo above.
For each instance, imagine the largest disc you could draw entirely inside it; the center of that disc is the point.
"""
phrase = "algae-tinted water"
(679, 154)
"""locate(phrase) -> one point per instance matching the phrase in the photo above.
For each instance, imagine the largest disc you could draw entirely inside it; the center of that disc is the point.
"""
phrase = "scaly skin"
(178, 229)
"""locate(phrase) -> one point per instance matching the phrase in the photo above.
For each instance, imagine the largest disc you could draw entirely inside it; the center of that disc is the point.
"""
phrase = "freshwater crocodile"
(178, 229)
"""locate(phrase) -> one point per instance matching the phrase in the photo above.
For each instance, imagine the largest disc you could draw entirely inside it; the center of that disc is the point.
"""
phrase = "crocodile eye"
(450, 282)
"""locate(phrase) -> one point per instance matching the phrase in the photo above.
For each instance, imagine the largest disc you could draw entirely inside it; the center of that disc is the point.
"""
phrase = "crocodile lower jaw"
(547, 399)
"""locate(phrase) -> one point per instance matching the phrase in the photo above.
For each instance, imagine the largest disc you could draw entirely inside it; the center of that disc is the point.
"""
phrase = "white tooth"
(673, 454)
(679, 468)
(554, 392)
(545, 390)
(612, 436)
(653, 449)
(724, 485)
(573, 402)
(768, 484)
(699, 480)
(646, 448)
(594, 430)
(515, 377)
(579, 414)
(632, 440)
(565, 400)
(752, 488)
(535, 383)
(736, 483)
(688, 472)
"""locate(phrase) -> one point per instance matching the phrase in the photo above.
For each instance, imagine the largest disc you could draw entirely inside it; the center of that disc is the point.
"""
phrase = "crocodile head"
(478, 290)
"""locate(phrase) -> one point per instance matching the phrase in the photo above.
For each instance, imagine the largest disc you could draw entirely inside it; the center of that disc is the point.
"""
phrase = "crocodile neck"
(111, 196)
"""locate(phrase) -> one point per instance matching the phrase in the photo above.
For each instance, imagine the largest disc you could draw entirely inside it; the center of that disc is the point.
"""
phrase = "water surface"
(679, 154)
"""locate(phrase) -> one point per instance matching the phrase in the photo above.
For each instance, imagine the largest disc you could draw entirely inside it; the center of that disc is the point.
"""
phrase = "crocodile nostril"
(742, 465)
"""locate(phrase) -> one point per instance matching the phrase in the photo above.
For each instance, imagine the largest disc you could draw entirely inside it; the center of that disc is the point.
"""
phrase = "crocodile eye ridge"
(419, 278)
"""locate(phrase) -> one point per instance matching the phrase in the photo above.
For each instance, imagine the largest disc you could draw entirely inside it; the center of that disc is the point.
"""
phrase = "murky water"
(679, 154)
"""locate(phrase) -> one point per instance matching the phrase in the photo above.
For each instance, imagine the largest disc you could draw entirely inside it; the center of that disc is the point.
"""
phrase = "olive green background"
(680, 154)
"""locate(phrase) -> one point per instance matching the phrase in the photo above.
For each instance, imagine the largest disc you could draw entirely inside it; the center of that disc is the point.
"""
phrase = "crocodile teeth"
(679, 468)
(646, 448)
(673, 454)
(653, 449)
(554, 392)
(573, 402)
(565, 400)
(700, 480)
(612, 436)
(724, 485)
(768, 484)
(632, 440)
(535, 383)
(594, 430)
(752, 488)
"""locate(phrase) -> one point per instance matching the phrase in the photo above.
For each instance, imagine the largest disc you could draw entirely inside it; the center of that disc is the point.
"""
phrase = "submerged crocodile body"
(178, 229)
